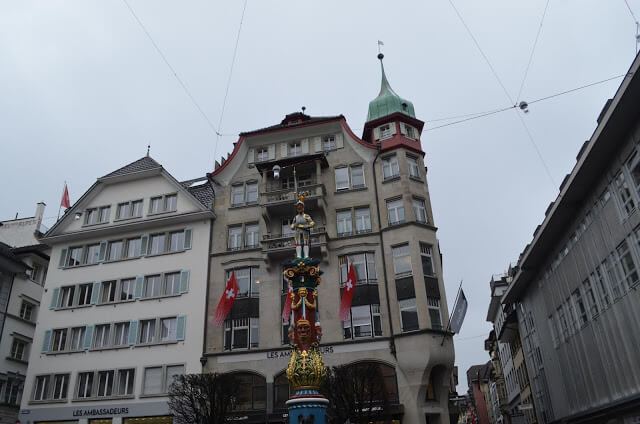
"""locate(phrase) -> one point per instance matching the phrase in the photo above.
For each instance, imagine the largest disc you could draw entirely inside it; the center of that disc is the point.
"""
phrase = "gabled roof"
(204, 194)
(144, 164)
(293, 120)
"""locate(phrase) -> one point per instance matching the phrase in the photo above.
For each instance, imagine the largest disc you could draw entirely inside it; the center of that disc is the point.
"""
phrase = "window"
(105, 212)
(580, 309)
(329, 143)
(42, 387)
(66, 300)
(176, 241)
(101, 337)
(252, 392)
(427, 259)
(612, 274)
(136, 208)
(26, 310)
(91, 216)
(246, 278)
(364, 321)
(171, 202)
(85, 383)
(125, 381)
(75, 256)
(286, 227)
(344, 223)
(363, 220)
(77, 338)
(237, 195)
(171, 283)
(105, 383)
(414, 169)
(166, 203)
(157, 380)
(390, 167)
(157, 244)
(37, 273)
(115, 250)
(364, 265)
(251, 236)
(252, 193)
(120, 333)
(133, 247)
(401, 260)
(357, 176)
(127, 288)
(410, 131)
(564, 325)
(241, 333)
(395, 211)
(624, 193)
(93, 254)
(385, 131)
(408, 314)
(18, 348)
(172, 371)
(342, 178)
(59, 340)
(108, 291)
(156, 204)
(84, 294)
(295, 149)
(419, 210)
(282, 391)
(601, 285)
(235, 238)
(131, 209)
(147, 331)
(433, 304)
(60, 386)
(590, 297)
(262, 155)
(152, 286)
(628, 265)
(168, 329)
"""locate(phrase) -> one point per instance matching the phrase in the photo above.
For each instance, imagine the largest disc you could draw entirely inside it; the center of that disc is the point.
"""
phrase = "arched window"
(281, 391)
(252, 392)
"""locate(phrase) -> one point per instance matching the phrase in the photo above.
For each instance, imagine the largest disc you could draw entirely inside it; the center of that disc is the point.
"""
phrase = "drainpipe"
(203, 359)
(392, 342)
(13, 277)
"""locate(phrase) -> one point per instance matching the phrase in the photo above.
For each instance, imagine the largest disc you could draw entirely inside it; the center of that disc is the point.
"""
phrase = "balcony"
(281, 245)
(278, 201)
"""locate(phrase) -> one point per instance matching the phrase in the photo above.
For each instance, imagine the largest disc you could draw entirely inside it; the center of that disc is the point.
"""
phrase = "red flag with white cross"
(226, 301)
(347, 295)
(287, 305)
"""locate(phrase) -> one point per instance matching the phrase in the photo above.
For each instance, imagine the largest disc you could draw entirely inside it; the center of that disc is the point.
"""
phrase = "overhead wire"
(175, 73)
(533, 49)
(633, 16)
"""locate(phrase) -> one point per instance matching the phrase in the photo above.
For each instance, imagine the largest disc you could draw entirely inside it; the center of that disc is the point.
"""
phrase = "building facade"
(369, 200)
(124, 305)
(479, 392)
(23, 267)
(575, 293)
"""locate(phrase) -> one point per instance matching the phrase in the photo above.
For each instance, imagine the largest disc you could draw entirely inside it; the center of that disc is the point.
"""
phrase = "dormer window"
(411, 133)
(263, 154)
(295, 149)
(385, 131)
(329, 143)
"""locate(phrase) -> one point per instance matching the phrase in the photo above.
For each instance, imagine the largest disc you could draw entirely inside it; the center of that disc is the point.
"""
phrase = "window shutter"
(393, 128)
(187, 238)
(376, 133)
(403, 128)
(317, 143)
(272, 151)
(133, 332)
(339, 141)
(55, 298)
(88, 337)
(181, 324)
(46, 343)
(103, 251)
(304, 144)
(144, 244)
(95, 292)
(283, 150)
(137, 290)
(251, 156)
(63, 258)
(184, 280)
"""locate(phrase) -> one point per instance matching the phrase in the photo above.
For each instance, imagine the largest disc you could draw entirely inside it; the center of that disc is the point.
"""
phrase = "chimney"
(40, 212)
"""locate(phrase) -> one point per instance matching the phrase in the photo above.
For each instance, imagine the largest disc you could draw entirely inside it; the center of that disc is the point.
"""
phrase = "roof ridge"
(143, 164)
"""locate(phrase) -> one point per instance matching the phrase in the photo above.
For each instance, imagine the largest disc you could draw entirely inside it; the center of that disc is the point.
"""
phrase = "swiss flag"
(347, 296)
(65, 198)
(286, 312)
(226, 301)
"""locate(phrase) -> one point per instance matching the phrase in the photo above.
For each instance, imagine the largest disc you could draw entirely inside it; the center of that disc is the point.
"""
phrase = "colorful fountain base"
(307, 406)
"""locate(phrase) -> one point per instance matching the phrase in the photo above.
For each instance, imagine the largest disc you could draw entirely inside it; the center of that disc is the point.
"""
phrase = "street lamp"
(276, 172)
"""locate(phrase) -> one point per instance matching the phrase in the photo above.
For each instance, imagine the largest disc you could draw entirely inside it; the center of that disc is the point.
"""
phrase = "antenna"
(148, 148)
(304, 108)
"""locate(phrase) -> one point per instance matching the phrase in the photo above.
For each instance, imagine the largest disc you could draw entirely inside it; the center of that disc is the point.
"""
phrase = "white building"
(23, 266)
(124, 299)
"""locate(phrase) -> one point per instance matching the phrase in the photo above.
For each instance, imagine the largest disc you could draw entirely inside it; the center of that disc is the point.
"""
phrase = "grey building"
(575, 295)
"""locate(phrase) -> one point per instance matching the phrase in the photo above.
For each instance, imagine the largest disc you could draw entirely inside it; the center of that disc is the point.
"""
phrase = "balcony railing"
(276, 242)
(273, 196)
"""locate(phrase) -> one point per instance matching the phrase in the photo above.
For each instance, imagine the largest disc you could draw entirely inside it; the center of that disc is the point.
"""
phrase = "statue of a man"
(302, 225)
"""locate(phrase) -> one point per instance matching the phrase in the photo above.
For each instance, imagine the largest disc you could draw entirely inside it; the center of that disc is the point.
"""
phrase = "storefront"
(129, 413)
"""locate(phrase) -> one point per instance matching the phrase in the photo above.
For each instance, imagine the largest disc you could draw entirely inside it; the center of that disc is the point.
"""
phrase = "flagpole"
(455, 302)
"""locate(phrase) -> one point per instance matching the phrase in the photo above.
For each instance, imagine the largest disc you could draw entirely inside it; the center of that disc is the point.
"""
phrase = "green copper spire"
(388, 101)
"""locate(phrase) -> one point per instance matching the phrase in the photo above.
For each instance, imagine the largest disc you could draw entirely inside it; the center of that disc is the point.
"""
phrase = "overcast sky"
(83, 91)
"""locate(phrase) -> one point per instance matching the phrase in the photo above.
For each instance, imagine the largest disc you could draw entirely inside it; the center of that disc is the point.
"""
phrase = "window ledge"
(163, 296)
(152, 255)
(396, 223)
(110, 261)
(114, 303)
(391, 179)
(152, 395)
(20, 361)
(351, 190)
(151, 214)
(71, 308)
(26, 321)
(416, 179)
(39, 402)
(79, 266)
(168, 342)
(100, 398)
(244, 205)
(94, 224)
(128, 218)
(119, 347)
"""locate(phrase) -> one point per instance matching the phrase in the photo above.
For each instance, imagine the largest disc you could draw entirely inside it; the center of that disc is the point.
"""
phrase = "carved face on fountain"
(303, 332)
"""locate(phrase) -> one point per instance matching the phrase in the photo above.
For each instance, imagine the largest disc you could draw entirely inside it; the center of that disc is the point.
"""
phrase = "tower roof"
(388, 101)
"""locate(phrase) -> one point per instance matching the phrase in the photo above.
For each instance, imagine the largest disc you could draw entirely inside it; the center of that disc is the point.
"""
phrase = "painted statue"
(302, 225)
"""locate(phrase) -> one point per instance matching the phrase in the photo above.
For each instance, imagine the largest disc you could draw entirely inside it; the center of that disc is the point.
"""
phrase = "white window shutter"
(184, 280)
(393, 128)
(63, 258)
(305, 146)
(317, 144)
(403, 128)
(283, 150)
(95, 292)
(188, 232)
(55, 299)
(339, 141)
(376, 133)
(46, 343)
(133, 332)
(272, 151)
(251, 156)
(88, 337)
(137, 289)
(103, 251)
(181, 324)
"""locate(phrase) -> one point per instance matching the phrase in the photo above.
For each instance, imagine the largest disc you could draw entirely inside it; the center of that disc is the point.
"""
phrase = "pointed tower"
(391, 120)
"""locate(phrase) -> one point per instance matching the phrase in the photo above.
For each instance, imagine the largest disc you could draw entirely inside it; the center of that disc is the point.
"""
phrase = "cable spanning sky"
(83, 91)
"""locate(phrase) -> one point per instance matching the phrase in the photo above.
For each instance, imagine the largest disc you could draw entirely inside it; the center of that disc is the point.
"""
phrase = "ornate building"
(370, 202)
